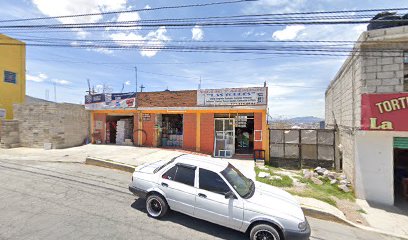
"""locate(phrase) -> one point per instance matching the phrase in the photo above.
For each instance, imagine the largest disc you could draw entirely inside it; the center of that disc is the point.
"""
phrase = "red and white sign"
(384, 112)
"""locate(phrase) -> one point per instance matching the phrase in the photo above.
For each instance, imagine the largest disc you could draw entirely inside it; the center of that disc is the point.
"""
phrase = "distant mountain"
(305, 120)
(298, 120)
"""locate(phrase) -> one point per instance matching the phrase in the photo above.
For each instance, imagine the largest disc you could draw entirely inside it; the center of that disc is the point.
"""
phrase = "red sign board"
(384, 112)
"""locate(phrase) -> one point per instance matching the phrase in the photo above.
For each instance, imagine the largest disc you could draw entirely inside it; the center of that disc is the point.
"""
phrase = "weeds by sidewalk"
(293, 182)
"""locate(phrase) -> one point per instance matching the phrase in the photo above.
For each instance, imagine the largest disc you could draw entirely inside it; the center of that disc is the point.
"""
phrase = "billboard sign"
(384, 112)
(110, 101)
(232, 96)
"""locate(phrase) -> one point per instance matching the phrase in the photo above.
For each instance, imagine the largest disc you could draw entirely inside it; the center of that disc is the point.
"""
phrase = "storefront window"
(171, 130)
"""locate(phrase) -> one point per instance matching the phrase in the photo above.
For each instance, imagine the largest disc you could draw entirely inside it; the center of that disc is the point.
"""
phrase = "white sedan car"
(215, 191)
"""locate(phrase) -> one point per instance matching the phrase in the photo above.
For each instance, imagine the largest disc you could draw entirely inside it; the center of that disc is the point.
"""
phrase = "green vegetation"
(285, 182)
(328, 189)
(316, 195)
(361, 211)
(326, 192)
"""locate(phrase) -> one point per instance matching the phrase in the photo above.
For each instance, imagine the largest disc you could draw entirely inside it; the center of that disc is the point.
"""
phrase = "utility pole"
(55, 92)
(136, 86)
(142, 87)
(47, 94)
(199, 85)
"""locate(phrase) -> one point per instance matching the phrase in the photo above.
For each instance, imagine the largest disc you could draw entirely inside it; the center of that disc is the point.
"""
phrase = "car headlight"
(302, 226)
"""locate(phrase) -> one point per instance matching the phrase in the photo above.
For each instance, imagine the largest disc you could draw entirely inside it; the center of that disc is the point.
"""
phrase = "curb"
(315, 213)
(109, 164)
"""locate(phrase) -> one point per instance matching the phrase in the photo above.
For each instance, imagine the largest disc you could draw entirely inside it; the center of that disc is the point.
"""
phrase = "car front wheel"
(264, 232)
(156, 206)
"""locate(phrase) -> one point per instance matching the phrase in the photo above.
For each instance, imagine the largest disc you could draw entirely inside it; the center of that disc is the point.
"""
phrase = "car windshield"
(244, 186)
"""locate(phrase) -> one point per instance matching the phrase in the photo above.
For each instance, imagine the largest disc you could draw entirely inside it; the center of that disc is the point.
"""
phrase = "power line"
(207, 4)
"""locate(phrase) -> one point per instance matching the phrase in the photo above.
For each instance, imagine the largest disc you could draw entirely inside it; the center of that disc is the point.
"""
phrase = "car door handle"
(202, 195)
(165, 184)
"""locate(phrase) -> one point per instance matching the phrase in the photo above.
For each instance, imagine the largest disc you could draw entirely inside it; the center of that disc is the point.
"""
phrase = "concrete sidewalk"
(385, 218)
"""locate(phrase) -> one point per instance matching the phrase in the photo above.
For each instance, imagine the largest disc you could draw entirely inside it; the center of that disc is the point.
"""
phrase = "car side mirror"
(230, 195)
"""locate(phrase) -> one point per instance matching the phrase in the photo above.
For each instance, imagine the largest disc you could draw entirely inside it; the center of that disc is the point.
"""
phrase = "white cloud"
(147, 7)
(38, 78)
(149, 45)
(99, 88)
(127, 17)
(82, 34)
(101, 50)
(197, 33)
(289, 33)
(61, 81)
(260, 34)
(70, 7)
(274, 6)
(330, 32)
(127, 83)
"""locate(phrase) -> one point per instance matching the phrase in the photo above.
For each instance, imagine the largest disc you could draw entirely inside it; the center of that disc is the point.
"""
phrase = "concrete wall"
(12, 59)
(207, 133)
(99, 127)
(189, 131)
(64, 125)
(343, 109)
(9, 134)
(375, 166)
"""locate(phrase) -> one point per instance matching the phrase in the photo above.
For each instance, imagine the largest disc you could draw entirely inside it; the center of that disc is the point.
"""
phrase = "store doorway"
(401, 172)
(224, 144)
(244, 135)
(170, 130)
(119, 130)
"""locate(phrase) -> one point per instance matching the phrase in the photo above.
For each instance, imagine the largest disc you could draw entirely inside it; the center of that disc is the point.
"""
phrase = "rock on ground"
(316, 181)
(275, 178)
(263, 175)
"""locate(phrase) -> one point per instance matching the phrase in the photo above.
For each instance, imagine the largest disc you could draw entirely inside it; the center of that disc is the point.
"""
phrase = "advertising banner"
(384, 112)
(232, 96)
(110, 101)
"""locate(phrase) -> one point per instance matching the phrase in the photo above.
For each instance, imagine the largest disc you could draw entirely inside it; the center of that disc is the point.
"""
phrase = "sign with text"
(110, 101)
(232, 96)
(384, 112)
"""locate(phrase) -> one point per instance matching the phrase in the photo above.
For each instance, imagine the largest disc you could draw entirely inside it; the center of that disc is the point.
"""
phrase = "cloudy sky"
(296, 83)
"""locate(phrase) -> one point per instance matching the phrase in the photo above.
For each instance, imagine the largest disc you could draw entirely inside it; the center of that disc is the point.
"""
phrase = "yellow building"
(12, 74)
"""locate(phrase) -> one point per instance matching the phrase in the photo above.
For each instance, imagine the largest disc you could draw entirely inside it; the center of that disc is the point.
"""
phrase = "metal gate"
(302, 148)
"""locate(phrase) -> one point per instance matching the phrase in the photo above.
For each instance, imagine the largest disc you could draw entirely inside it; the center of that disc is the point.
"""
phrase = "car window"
(185, 175)
(170, 174)
(180, 174)
(212, 182)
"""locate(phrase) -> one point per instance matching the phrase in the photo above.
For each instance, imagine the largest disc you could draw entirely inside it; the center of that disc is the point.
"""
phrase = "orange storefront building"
(220, 122)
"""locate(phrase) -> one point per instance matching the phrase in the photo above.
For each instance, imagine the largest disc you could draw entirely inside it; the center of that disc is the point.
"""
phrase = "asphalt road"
(42, 200)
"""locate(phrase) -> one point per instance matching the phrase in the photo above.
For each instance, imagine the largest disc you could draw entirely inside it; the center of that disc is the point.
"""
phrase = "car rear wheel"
(156, 206)
(264, 232)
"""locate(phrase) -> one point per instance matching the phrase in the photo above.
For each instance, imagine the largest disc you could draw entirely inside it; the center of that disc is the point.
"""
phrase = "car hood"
(273, 201)
(150, 167)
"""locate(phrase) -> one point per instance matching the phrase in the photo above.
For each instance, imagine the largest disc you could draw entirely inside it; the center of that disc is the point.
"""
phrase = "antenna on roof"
(142, 87)
(89, 86)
